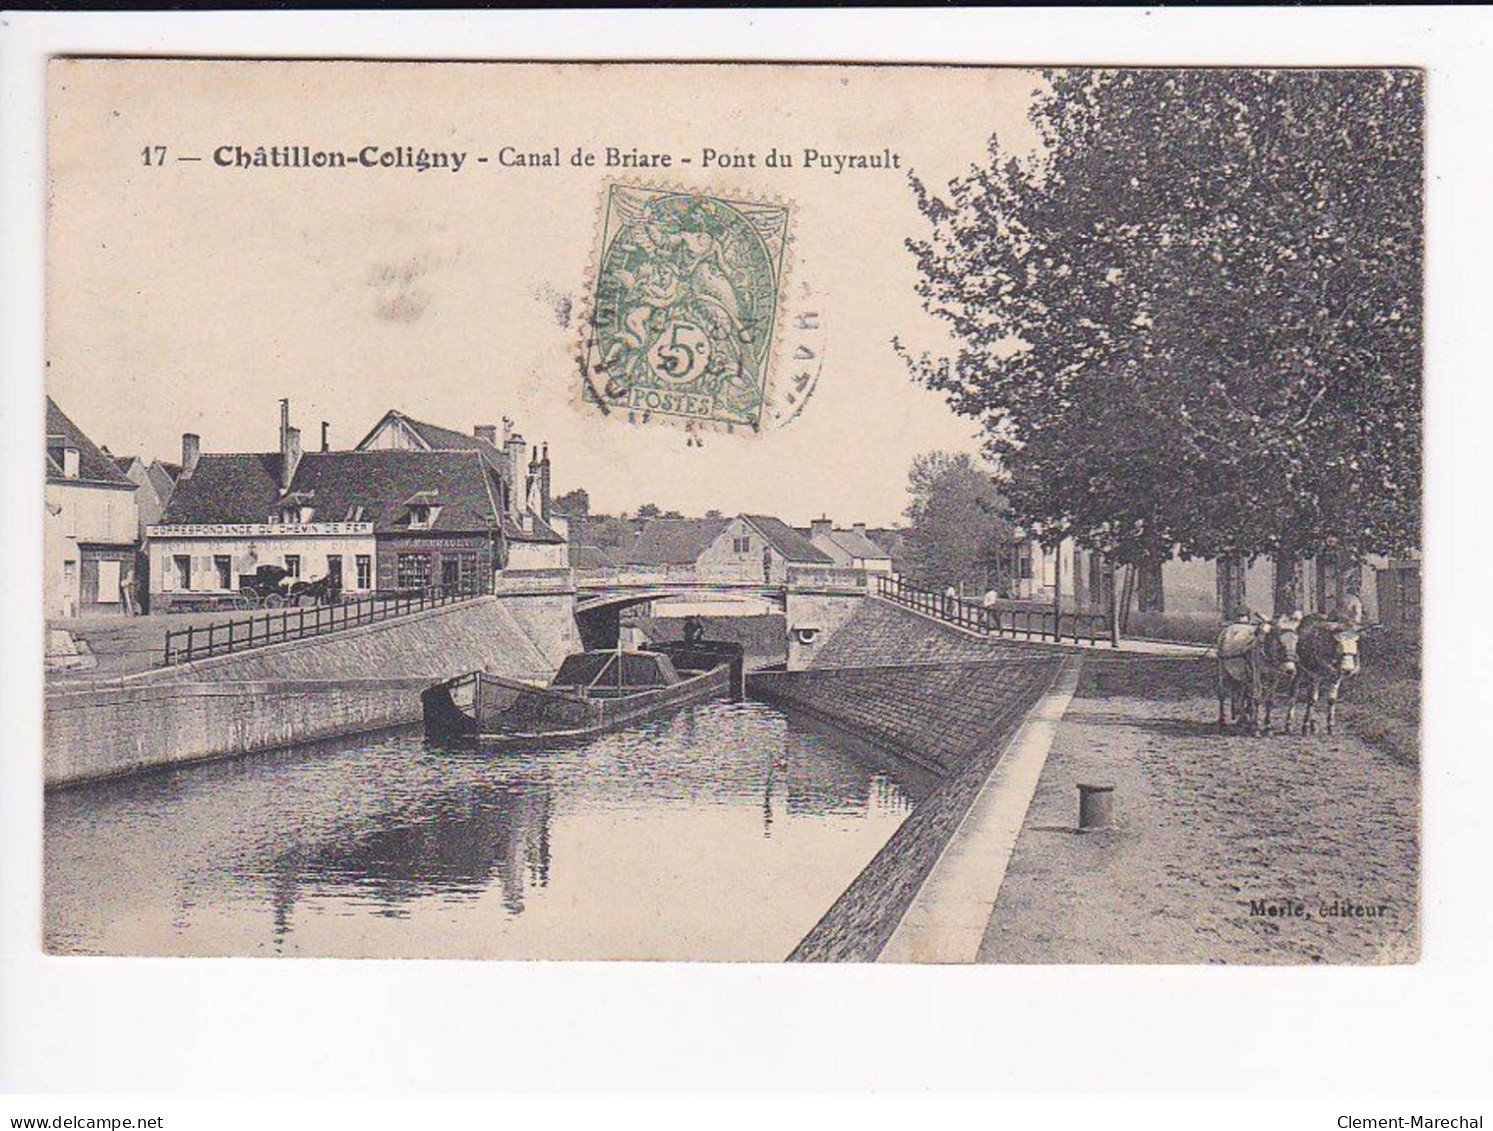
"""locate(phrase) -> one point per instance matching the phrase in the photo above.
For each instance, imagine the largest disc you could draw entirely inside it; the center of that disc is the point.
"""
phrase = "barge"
(592, 692)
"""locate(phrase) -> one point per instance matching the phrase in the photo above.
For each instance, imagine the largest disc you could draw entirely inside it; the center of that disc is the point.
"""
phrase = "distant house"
(413, 507)
(744, 548)
(672, 543)
(153, 482)
(90, 524)
(851, 549)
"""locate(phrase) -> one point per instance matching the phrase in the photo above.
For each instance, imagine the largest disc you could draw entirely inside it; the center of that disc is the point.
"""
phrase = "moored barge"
(592, 692)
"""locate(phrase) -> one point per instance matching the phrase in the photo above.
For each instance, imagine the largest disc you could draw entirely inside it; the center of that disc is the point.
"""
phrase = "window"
(108, 582)
(293, 566)
(70, 463)
(422, 517)
(450, 573)
(742, 544)
(183, 564)
(412, 571)
(365, 571)
(468, 572)
(223, 564)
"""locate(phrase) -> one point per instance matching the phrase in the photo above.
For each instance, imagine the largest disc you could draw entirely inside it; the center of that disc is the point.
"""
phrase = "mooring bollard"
(1096, 806)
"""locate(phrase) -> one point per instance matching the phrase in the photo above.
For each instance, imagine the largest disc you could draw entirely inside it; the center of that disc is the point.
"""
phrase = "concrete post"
(1096, 806)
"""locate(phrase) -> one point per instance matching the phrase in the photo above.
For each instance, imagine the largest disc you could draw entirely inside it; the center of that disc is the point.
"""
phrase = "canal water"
(722, 831)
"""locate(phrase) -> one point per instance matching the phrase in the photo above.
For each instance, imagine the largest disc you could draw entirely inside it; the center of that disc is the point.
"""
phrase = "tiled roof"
(438, 439)
(383, 482)
(589, 557)
(858, 545)
(541, 531)
(673, 541)
(93, 465)
(787, 541)
(227, 487)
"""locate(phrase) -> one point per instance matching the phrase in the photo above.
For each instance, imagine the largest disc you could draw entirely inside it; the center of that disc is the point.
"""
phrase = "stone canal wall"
(109, 732)
(879, 632)
(505, 631)
(362, 680)
(955, 716)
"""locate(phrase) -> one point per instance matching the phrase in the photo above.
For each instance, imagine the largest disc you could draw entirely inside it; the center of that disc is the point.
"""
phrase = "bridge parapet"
(809, 578)
(519, 582)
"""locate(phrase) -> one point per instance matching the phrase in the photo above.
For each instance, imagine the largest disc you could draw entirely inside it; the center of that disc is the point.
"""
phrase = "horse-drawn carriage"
(272, 587)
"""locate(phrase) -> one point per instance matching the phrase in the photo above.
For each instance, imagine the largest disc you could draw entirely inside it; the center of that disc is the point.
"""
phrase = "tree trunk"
(1150, 594)
(1126, 598)
(1287, 588)
(1231, 587)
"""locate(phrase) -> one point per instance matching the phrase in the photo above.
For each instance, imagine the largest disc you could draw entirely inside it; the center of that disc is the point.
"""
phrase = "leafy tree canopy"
(956, 520)
(1192, 319)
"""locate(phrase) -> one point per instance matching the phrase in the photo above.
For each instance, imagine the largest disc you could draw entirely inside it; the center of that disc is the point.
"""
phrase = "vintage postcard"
(733, 512)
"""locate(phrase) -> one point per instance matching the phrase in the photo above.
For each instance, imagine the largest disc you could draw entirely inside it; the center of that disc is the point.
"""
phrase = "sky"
(184, 296)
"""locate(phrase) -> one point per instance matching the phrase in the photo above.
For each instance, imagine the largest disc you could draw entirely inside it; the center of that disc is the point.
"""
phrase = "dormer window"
(424, 508)
(295, 508)
(70, 459)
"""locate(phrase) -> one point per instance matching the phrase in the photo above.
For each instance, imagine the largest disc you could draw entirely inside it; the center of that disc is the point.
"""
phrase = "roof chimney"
(821, 528)
(191, 452)
(326, 445)
(859, 528)
(514, 448)
(488, 432)
(544, 482)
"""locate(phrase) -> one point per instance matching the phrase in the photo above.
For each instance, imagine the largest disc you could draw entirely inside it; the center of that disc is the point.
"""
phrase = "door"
(334, 570)
(450, 573)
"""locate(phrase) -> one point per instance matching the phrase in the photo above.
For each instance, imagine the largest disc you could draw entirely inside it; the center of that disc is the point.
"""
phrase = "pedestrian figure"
(992, 614)
(950, 595)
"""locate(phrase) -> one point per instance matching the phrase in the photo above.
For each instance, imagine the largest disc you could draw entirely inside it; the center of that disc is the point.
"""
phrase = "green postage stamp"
(686, 302)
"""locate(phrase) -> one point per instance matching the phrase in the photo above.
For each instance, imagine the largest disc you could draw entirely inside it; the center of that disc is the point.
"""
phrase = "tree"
(956, 521)
(1192, 320)
(649, 510)
(575, 504)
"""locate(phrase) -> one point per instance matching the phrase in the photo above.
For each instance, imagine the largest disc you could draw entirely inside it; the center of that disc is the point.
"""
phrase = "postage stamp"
(686, 301)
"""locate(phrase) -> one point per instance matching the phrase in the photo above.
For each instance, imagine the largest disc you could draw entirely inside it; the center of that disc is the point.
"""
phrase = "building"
(529, 541)
(412, 507)
(154, 483)
(744, 548)
(673, 544)
(851, 549)
(90, 527)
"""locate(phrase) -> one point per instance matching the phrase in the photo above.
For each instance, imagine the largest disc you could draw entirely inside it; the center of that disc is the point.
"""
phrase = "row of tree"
(1191, 321)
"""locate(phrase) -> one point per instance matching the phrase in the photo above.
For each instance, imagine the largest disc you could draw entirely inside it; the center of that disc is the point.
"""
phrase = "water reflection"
(721, 831)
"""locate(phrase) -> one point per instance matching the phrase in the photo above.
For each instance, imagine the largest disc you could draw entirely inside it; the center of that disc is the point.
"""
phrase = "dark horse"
(323, 591)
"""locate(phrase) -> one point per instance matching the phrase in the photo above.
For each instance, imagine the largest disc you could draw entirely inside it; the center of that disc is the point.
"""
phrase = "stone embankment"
(364, 679)
(942, 698)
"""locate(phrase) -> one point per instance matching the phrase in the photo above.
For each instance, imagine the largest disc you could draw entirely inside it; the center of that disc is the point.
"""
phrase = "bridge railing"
(806, 577)
(827, 577)
(226, 638)
(509, 582)
(1010, 621)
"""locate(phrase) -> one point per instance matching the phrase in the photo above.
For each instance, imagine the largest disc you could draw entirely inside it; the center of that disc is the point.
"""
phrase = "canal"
(722, 831)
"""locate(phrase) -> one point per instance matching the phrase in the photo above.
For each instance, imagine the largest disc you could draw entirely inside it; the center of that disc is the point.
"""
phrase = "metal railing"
(1007, 620)
(743, 577)
(225, 638)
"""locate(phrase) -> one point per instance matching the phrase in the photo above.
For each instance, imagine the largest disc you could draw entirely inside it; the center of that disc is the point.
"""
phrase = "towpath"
(1212, 832)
